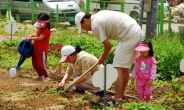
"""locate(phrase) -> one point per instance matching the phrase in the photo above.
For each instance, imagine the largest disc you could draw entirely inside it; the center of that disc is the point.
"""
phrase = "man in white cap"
(111, 25)
(79, 62)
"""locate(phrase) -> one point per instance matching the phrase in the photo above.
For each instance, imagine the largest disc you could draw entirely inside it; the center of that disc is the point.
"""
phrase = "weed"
(159, 83)
(52, 90)
(30, 97)
(82, 98)
(176, 87)
(9, 94)
(63, 100)
(141, 106)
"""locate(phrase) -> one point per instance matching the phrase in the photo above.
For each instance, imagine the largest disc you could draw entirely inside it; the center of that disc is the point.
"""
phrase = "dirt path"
(4, 38)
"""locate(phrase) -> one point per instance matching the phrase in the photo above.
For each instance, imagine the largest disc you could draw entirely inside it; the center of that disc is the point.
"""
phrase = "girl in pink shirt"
(144, 71)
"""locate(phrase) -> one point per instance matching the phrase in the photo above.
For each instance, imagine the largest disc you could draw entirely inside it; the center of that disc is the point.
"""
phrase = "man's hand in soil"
(62, 83)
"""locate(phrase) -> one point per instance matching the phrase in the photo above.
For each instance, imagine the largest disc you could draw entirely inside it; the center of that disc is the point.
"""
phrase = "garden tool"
(25, 48)
(70, 85)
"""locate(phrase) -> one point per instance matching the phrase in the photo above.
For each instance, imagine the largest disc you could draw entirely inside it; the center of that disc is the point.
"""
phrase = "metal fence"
(96, 5)
(29, 10)
(22, 11)
(131, 8)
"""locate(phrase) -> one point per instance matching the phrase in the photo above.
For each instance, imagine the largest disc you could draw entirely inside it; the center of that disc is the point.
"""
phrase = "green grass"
(168, 48)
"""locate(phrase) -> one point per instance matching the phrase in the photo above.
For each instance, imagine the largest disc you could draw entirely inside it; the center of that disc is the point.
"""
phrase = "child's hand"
(150, 84)
(28, 39)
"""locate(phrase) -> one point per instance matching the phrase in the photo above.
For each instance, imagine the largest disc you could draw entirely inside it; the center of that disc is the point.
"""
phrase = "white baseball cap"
(78, 18)
(66, 51)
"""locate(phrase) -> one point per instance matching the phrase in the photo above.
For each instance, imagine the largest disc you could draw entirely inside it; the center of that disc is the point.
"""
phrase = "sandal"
(122, 99)
(109, 102)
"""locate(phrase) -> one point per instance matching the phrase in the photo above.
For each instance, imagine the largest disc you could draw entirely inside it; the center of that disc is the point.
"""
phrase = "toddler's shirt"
(145, 68)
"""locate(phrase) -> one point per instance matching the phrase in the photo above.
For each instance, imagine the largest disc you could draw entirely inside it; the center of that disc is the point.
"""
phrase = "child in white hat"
(144, 71)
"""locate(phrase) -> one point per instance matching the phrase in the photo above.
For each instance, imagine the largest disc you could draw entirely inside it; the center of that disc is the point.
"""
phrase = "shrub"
(168, 53)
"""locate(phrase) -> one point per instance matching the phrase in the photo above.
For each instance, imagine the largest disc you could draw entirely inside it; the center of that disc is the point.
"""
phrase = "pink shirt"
(145, 68)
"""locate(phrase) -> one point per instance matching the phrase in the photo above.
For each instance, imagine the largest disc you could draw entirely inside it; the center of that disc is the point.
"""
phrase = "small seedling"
(63, 100)
(82, 98)
(52, 90)
(9, 94)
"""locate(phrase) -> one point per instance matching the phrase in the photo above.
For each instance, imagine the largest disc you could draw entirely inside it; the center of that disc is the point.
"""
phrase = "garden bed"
(23, 93)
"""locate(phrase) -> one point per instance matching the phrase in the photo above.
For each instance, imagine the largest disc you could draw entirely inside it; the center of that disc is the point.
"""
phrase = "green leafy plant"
(63, 100)
(168, 53)
(141, 106)
(9, 94)
(159, 83)
(10, 43)
(82, 98)
(176, 86)
(52, 90)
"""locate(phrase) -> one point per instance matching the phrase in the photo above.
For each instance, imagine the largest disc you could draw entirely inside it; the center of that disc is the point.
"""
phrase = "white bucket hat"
(78, 18)
(66, 51)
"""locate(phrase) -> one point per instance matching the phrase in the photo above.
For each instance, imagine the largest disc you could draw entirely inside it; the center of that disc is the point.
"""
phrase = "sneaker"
(79, 90)
(46, 79)
(100, 93)
(38, 78)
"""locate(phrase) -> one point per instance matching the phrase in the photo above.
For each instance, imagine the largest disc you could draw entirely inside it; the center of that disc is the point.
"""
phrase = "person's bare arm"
(33, 37)
(107, 48)
(66, 77)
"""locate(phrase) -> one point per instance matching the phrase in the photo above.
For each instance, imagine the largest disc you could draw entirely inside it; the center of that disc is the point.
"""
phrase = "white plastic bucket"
(12, 72)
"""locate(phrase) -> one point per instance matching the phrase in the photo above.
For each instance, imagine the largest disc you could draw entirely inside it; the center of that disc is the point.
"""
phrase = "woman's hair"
(86, 16)
(148, 42)
(78, 49)
(44, 16)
